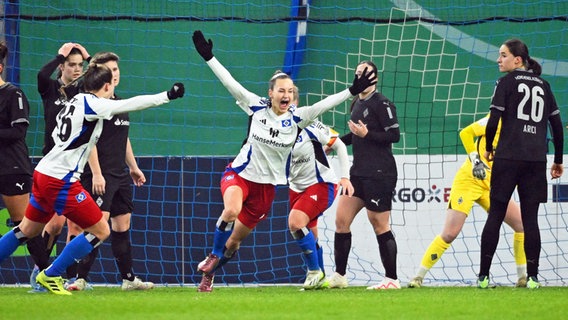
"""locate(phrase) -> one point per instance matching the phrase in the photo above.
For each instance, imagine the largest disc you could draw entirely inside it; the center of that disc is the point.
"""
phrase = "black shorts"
(15, 184)
(118, 194)
(376, 193)
(528, 177)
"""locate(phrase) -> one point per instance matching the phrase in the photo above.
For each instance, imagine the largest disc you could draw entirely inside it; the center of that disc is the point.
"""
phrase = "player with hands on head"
(249, 181)
(313, 187)
(470, 186)
(373, 129)
(524, 104)
(56, 186)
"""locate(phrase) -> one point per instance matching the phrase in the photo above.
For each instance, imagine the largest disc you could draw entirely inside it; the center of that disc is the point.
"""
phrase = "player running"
(313, 187)
(56, 187)
(249, 182)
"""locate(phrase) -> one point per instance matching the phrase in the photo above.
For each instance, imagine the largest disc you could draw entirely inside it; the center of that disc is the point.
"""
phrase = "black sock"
(84, 266)
(388, 251)
(37, 248)
(342, 246)
(122, 251)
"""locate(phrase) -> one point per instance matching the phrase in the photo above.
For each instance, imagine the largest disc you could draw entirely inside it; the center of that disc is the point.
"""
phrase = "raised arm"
(240, 93)
(361, 83)
(145, 101)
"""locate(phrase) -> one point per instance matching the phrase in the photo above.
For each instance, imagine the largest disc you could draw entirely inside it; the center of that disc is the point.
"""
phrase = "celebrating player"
(313, 187)
(107, 181)
(248, 183)
(56, 187)
(54, 92)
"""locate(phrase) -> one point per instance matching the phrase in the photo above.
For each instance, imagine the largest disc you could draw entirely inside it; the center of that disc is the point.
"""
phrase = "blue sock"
(73, 251)
(308, 245)
(219, 240)
(320, 256)
(8, 244)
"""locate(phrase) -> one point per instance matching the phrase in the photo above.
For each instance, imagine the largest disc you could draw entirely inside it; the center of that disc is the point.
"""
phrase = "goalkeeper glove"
(176, 91)
(478, 166)
(362, 82)
(204, 47)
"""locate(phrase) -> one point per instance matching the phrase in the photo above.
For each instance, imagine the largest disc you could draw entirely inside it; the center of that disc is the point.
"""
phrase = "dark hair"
(96, 76)
(73, 52)
(373, 69)
(369, 62)
(520, 49)
(278, 74)
(104, 57)
(3, 52)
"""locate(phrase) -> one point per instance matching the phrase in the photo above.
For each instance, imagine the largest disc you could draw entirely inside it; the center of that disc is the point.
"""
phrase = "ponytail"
(534, 66)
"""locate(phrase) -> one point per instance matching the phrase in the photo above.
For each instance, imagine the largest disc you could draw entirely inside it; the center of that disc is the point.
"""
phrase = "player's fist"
(176, 91)
(204, 47)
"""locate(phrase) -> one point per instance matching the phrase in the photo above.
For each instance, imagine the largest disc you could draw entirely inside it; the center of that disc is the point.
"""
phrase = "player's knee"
(93, 239)
(230, 213)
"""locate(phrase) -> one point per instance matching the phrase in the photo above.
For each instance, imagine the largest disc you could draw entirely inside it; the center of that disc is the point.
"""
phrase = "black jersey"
(14, 122)
(52, 98)
(526, 103)
(111, 147)
(372, 155)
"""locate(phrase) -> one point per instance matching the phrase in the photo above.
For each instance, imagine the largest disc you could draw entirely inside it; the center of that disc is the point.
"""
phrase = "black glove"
(361, 83)
(204, 47)
(478, 166)
(176, 91)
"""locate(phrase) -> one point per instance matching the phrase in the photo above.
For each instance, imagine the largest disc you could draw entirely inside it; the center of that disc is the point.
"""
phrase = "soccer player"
(373, 129)
(56, 187)
(108, 183)
(15, 166)
(525, 105)
(313, 187)
(69, 63)
(471, 185)
(249, 182)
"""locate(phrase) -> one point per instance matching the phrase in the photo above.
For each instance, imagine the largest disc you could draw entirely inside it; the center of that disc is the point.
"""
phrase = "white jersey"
(265, 156)
(78, 130)
(309, 162)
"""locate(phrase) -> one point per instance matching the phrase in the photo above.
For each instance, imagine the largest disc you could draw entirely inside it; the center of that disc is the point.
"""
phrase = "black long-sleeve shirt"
(372, 155)
(14, 122)
(52, 98)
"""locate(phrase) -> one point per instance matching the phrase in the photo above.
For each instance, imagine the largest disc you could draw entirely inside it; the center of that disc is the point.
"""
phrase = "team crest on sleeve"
(286, 123)
(81, 197)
